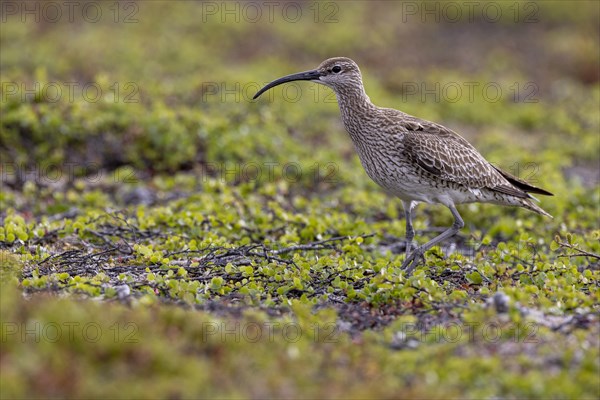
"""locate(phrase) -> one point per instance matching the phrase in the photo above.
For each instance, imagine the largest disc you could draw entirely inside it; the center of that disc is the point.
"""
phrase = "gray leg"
(410, 231)
(415, 257)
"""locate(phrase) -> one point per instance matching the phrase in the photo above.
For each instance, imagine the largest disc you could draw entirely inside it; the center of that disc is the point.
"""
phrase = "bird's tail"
(530, 205)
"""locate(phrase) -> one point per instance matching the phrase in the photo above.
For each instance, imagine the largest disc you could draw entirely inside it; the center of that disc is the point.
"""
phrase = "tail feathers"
(530, 205)
(522, 185)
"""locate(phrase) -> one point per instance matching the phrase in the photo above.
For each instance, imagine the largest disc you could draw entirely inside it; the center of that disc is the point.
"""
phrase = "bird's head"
(338, 73)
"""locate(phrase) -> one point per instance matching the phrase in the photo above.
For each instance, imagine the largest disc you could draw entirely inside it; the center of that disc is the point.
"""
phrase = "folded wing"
(446, 155)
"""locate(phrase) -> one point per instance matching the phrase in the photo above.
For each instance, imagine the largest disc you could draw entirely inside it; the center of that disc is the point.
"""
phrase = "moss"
(175, 239)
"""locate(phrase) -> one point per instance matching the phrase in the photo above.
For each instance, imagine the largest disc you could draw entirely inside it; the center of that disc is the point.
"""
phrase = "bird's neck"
(356, 109)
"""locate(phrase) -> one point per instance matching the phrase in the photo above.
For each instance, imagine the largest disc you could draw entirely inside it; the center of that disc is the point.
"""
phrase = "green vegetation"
(162, 235)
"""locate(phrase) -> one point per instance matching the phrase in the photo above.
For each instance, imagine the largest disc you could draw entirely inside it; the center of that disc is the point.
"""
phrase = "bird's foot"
(412, 260)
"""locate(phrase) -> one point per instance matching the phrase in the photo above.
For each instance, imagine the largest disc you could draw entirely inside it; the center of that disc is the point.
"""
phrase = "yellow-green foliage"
(173, 238)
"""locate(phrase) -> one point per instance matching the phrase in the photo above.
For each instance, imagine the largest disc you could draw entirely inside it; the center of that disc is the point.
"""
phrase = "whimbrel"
(414, 159)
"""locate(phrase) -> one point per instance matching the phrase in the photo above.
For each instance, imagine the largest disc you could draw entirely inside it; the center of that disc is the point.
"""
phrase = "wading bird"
(414, 159)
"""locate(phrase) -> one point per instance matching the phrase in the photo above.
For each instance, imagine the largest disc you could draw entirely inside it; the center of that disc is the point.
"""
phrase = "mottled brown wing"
(447, 155)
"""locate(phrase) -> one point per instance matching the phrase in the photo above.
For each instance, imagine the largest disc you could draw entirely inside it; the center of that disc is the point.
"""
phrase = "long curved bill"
(301, 76)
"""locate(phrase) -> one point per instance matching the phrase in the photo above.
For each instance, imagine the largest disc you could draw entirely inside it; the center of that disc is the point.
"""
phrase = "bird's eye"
(337, 69)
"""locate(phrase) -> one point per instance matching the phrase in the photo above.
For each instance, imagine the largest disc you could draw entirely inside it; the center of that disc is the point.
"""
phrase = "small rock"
(501, 302)
(123, 292)
(139, 195)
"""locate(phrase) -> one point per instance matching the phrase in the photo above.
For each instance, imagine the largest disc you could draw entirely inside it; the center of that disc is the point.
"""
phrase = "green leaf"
(474, 278)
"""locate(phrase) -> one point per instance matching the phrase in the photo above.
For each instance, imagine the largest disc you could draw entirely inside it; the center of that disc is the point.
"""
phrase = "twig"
(582, 253)
(319, 245)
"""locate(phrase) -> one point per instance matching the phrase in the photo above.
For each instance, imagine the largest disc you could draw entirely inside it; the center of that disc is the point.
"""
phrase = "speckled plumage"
(414, 159)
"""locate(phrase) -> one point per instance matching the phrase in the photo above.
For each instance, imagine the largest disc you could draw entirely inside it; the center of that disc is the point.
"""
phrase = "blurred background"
(160, 87)
(130, 144)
